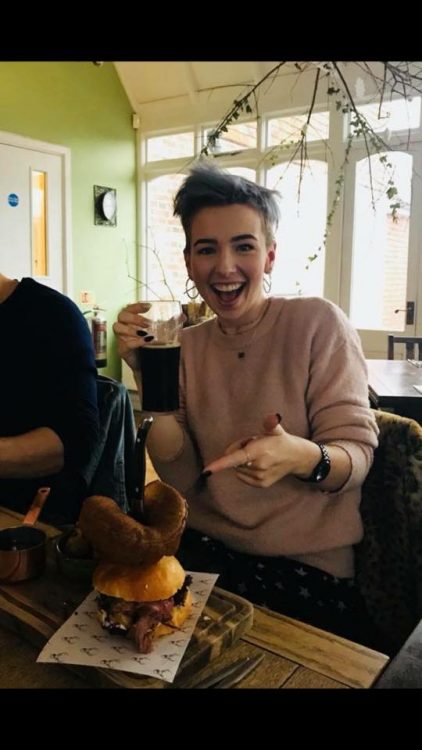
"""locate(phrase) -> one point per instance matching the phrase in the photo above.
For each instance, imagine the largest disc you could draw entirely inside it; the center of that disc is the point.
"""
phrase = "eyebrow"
(236, 238)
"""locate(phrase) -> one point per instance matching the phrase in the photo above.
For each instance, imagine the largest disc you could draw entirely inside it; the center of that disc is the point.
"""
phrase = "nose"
(225, 262)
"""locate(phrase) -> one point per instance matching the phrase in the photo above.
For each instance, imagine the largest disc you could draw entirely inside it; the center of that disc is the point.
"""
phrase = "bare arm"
(34, 454)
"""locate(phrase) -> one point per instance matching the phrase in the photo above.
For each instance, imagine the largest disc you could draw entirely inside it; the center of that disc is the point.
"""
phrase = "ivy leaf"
(392, 191)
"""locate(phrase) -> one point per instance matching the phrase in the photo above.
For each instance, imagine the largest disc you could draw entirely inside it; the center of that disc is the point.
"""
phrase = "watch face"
(108, 205)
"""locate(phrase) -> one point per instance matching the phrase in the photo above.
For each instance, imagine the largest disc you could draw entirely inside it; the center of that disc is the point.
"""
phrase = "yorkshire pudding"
(119, 538)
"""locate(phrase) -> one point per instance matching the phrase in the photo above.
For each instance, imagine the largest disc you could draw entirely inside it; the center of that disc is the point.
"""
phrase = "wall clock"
(105, 206)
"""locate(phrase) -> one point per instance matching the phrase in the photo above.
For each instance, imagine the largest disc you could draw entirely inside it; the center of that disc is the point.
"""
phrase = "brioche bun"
(140, 583)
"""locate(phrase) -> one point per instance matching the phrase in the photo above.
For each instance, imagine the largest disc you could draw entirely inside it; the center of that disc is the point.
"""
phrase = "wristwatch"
(322, 469)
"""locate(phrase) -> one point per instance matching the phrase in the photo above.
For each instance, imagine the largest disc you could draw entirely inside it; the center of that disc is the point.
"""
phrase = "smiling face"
(228, 256)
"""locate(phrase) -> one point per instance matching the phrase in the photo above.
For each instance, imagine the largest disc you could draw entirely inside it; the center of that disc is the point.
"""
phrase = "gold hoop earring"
(191, 291)
(267, 283)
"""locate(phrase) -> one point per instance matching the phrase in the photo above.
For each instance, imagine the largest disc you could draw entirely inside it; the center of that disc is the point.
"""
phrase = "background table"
(391, 384)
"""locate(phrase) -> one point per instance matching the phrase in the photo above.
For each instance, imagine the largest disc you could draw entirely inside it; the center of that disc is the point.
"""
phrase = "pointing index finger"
(237, 458)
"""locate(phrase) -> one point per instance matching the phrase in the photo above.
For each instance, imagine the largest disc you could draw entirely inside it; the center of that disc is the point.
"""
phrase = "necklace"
(241, 352)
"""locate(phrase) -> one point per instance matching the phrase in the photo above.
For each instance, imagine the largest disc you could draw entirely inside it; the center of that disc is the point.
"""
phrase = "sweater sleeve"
(337, 394)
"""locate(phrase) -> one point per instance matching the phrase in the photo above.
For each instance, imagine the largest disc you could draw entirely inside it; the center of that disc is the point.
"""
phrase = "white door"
(32, 192)
(381, 284)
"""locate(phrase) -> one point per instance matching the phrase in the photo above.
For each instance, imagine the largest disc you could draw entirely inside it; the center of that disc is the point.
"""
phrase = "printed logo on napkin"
(82, 640)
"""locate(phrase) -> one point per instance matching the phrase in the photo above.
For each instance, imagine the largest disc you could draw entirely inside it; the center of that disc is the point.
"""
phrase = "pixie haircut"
(207, 185)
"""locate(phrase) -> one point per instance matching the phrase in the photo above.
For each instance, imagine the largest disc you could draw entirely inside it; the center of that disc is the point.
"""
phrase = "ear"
(269, 260)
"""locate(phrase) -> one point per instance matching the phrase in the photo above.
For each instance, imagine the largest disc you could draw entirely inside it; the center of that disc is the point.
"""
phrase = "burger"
(142, 601)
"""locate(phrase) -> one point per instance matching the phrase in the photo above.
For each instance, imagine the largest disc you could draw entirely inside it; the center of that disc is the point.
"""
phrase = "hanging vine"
(400, 78)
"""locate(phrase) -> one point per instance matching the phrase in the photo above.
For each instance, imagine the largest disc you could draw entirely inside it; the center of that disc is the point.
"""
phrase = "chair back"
(413, 346)
(110, 470)
(389, 558)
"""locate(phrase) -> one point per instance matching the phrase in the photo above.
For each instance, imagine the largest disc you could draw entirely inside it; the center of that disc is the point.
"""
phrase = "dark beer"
(160, 377)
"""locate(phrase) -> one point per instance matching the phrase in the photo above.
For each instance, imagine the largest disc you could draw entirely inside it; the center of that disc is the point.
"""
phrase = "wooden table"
(295, 655)
(391, 384)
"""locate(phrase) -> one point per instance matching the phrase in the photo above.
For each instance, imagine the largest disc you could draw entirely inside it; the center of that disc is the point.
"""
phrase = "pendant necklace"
(241, 354)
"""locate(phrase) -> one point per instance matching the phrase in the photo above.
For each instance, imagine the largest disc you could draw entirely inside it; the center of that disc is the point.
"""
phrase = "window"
(395, 115)
(164, 266)
(301, 231)
(366, 262)
(39, 223)
(282, 129)
(380, 245)
(169, 146)
(237, 138)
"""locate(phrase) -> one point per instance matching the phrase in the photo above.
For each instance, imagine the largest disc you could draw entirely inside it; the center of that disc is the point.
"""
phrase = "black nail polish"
(142, 333)
(149, 338)
(206, 474)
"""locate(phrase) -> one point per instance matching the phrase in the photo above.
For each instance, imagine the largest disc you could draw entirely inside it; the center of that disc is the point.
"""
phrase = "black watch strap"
(322, 469)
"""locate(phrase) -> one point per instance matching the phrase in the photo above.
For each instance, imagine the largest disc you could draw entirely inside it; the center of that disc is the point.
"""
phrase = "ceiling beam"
(191, 81)
(258, 71)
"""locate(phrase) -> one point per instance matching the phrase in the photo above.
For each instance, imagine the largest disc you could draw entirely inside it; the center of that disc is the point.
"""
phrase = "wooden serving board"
(36, 609)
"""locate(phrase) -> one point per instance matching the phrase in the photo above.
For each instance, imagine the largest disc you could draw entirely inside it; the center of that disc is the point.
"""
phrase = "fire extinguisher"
(98, 326)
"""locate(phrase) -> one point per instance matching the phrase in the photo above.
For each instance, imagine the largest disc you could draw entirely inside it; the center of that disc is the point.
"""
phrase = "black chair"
(389, 558)
(110, 469)
(411, 343)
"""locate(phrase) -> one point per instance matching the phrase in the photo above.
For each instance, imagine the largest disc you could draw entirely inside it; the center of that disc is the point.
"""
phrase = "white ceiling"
(170, 94)
(149, 82)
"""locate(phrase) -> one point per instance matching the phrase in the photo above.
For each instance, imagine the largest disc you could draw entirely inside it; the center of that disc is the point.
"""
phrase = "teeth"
(227, 287)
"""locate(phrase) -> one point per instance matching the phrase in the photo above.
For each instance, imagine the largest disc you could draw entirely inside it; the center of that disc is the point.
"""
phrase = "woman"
(274, 408)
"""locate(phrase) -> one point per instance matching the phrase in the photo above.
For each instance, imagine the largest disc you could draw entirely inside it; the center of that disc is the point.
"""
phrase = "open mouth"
(228, 292)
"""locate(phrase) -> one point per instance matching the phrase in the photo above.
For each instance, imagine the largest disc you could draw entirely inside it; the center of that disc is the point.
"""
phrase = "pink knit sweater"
(303, 360)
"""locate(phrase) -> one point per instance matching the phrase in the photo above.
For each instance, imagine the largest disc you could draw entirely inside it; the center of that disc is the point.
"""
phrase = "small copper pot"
(23, 548)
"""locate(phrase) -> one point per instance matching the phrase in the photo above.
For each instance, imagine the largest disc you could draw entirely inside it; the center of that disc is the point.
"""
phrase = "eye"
(245, 247)
(205, 250)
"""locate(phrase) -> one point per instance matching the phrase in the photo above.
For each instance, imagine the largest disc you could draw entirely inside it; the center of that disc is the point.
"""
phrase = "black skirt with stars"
(285, 586)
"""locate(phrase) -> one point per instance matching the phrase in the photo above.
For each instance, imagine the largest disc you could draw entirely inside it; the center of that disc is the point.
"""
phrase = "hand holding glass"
(159, 359)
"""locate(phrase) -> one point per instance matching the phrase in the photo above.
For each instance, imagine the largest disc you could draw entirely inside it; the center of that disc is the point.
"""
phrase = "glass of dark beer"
(159, 359)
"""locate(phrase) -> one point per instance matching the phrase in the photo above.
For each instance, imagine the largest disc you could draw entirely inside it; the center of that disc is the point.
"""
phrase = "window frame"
(337, 280)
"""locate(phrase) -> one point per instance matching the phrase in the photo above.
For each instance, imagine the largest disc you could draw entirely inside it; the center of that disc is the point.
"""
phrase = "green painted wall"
(84, 107)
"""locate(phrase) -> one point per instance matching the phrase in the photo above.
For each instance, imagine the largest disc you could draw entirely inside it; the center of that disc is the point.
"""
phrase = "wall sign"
(13, 199)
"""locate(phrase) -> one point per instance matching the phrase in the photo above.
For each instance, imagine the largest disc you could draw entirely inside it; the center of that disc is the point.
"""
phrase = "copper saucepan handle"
(37, 506)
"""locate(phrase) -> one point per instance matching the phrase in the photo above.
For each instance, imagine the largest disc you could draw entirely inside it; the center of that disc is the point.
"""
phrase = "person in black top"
(48, 399)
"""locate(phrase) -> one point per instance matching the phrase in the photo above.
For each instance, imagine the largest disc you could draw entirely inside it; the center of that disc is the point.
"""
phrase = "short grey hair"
(207, 185)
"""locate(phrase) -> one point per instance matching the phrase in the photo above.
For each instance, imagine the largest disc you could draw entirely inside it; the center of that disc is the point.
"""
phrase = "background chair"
(110, 470)
(389, 558)
(413, 345)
